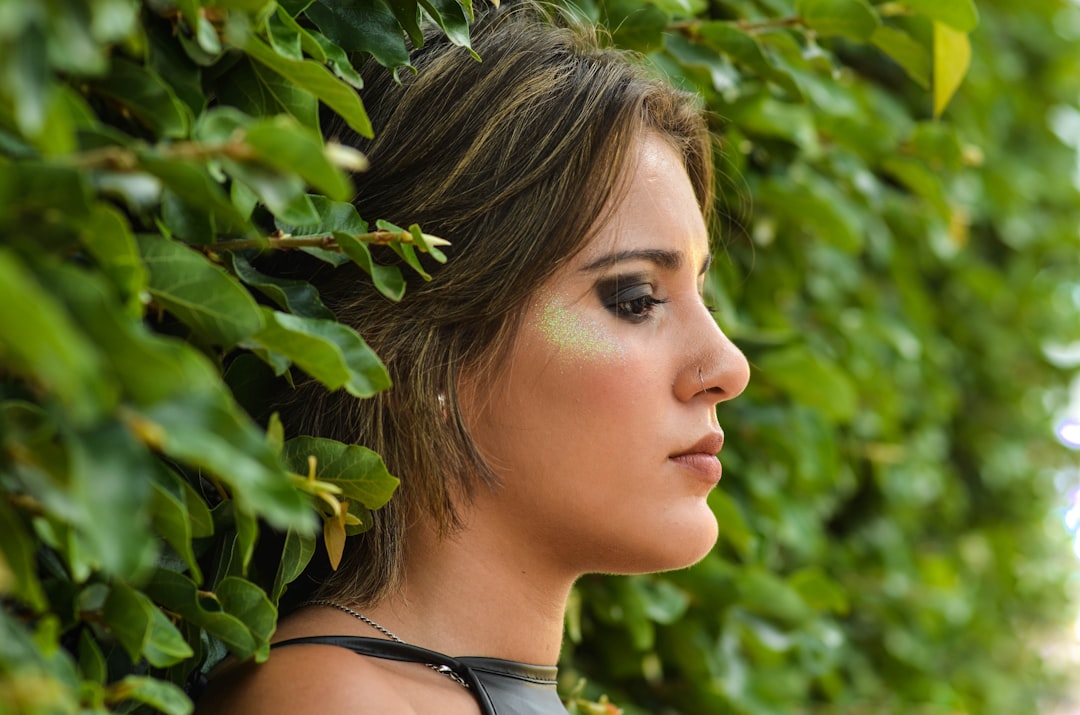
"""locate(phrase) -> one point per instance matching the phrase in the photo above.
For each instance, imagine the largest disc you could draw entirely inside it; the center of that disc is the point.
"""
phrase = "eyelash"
(626, 304)
(637, 309)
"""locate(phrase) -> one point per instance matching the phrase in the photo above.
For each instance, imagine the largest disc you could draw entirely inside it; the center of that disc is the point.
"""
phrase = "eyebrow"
(668, 260)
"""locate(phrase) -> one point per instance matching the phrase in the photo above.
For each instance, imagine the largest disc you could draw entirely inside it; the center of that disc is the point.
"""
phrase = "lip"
(701, 459)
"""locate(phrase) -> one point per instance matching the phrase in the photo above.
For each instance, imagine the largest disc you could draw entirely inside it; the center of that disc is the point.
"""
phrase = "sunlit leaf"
(952, 57)
(329, 351)
(359, 472)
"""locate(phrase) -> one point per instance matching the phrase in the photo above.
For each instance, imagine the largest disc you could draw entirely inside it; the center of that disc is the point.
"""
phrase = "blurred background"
(897, 245)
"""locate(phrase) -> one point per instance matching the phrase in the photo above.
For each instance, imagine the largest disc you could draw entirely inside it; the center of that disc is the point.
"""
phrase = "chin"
(670, 547)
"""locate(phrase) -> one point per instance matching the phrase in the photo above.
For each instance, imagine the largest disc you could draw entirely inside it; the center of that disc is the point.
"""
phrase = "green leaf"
(732, 523)
(161, 695)
(810, 380)
(745, 50)
(92, 663)
(169, 61)
(199, 518)
(30, 83)
(200, 294)
(180, 595)
(960, 15)
(283, 194)
(664, 601)
(387, 279)
(852, 19)
(296, 296)
(308, 42)
(407, 252)
(32, 189)
(247, 531)
(819, 591)
(452, 18)
(249, 604)
(317, 80)
(923, 182)
(109, 473)
(331, 352)
(18, 573)
(172, 522)
(362, 26)
(906, 51)
(637, 26)
(769, 595)
(295, 556)
(147, 98)
(184, 221)
(258, 91)
(359, 472)
(39, 340)
(288, 147)
(407, 14)
(149, 368)
(283, 39)
(952, 57)
(193, 183)
(108, 238)
(333, 216)
(339, 61)
(142, 629)
(209, 431)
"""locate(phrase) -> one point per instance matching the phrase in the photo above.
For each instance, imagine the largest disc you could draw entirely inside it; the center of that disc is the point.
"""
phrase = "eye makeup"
(630, 298)
(574, 335)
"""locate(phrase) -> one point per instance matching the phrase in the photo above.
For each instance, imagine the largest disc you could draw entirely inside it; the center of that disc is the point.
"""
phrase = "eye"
(633, 302)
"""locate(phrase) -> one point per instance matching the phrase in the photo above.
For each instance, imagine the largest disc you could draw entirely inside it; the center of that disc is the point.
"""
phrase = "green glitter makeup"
(573, 335)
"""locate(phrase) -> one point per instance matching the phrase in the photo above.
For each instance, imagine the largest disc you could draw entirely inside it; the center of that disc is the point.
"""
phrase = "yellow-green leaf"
(952, 57)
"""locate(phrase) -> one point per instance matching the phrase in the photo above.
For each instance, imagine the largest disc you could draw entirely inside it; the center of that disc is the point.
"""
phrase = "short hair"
(513, 159)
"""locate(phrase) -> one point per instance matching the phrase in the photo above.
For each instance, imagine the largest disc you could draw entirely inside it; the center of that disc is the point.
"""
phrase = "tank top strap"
(392, 650)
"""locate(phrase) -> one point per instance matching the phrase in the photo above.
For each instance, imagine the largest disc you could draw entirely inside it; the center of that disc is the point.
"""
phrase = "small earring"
(441, 397)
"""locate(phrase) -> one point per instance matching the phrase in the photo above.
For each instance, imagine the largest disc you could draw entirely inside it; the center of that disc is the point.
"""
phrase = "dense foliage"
(896, 266)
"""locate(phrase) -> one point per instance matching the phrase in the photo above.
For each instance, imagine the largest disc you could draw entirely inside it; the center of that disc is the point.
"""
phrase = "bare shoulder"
(321, 679)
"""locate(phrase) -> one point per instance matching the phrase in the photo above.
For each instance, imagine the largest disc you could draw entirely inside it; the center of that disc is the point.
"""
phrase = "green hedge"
(897, 259)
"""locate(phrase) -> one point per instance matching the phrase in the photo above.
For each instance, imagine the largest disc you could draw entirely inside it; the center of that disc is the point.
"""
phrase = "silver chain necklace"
(443, 669)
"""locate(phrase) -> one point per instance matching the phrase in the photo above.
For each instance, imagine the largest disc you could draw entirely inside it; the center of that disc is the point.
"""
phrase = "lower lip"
(705, 466)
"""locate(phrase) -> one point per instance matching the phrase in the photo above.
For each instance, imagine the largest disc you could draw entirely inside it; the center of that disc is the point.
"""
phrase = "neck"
(476, 593)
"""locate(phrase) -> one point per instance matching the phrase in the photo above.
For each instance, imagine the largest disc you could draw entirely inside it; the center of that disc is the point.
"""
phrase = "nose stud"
(701, 379)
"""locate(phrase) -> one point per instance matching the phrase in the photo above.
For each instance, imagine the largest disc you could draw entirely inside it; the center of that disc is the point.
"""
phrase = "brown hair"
(513, 159)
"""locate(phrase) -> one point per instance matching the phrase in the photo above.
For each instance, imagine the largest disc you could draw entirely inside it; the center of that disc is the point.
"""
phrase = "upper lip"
(711, 443)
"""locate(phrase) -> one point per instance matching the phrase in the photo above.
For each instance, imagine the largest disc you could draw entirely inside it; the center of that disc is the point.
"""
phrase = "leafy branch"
(280, 241)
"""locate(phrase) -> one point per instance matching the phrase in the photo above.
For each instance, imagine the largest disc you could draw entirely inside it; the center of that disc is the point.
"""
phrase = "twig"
(121, 159)
(690, 27)
(286, 242)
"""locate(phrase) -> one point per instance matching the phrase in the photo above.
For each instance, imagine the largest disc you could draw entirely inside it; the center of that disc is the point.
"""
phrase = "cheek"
(570, 336)
(589, 373)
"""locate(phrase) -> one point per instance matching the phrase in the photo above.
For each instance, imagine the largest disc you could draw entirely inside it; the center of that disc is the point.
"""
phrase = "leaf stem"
(286, 242)
(122, 159)
(690, 27)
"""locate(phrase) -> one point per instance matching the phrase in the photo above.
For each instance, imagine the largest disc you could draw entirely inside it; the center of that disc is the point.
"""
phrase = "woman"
(555, 383)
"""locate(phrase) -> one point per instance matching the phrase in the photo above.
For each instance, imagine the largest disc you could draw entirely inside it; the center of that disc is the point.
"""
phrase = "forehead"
(655, 209)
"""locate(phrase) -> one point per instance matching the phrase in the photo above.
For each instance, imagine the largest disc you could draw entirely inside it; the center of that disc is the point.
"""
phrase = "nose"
(714, 368)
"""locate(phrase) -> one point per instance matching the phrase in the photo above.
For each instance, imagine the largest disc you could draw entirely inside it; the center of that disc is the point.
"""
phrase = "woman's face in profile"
(601, 423)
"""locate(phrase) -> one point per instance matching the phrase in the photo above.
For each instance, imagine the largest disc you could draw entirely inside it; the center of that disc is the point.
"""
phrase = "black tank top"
(501, 687)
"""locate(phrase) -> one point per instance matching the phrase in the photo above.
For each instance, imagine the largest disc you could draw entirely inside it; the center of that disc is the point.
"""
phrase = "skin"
(596, 428)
